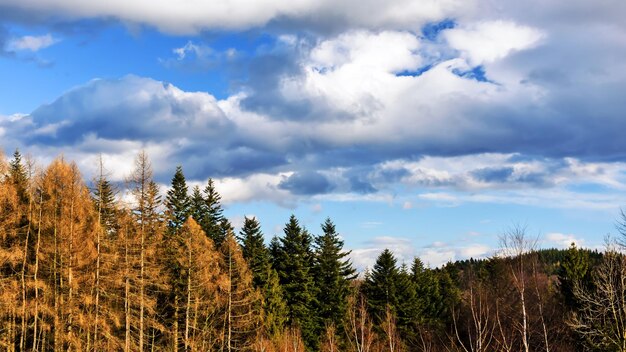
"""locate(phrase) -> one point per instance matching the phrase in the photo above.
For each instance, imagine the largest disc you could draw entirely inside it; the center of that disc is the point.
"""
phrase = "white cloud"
(190, 47)
(193, 17)
(257, 186)
(32, 43)
(434, 255)
(561, 240)
(440, 253)
(365, 257)
(485, 42)
(474, 251)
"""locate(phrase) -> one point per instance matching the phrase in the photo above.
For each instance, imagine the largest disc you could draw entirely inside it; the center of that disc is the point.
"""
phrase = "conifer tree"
(211, 222)
(103, 194)
(379, 286)
(222, 232)
(264, 276)
(274, 249)
(107, 213)
(242, 299)
(11, 254)
(68, 255)
(18, 175)
(333, 273)
(431, 304)
(294, 266)
(139, 246)
(197, 205)
(254, 250)
(196, 324)
(275, 310)
(177, 202)
(574, 270)
(406, 307)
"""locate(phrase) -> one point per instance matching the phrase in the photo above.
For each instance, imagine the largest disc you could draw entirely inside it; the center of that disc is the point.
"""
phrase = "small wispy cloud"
(32, 43)
(191, 48)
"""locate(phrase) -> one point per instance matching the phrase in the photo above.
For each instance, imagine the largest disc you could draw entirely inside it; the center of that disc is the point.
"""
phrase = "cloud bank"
(443, 98)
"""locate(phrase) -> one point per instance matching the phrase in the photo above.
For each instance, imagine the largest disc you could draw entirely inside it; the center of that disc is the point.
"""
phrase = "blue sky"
(425, 126)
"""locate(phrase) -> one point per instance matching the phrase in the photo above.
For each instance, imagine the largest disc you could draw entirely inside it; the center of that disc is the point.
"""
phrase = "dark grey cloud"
(307, 183)
(218, 160)
(360, 184)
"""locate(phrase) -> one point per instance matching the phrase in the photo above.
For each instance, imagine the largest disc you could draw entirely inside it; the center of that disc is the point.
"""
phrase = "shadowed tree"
(294, 264)
(379, 286)
(177, 202)
(333, 273)
(264, 277)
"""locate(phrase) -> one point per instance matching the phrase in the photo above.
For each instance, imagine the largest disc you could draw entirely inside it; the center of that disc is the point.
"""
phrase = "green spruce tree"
(18, 176)
(254, 250)
(197, 205)
(294, 266)
(574, 270)
(333, 273)
(211, 222)
(103, 195)
(379, 286)
(177, 202)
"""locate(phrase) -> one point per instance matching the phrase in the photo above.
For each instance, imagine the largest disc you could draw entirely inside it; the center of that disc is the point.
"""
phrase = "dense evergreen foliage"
(81, 270)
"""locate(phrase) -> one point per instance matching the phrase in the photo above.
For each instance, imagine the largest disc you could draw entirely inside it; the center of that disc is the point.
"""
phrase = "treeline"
(83, 268)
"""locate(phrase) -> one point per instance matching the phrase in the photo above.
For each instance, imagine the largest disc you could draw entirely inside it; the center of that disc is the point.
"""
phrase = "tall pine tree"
(242, 301)
(213, 217)
(265, 277)
(294, 266)
(333, 273)
(379, 286)
(177, 201)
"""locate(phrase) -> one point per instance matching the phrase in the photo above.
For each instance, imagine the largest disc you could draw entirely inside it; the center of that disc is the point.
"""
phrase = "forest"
(89, 265)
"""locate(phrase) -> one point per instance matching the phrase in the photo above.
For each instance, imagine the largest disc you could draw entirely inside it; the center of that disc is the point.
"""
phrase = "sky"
(429, 127)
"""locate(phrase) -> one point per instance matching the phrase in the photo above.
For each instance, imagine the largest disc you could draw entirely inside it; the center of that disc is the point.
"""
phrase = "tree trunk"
(70, 278)
(36, 312)
(187, 320)
(127, 294)
(141, 285)
(23, 336)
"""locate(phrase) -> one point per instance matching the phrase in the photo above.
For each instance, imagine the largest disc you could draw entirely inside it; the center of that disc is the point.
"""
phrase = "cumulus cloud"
(462, 105)
(485, 42)
(269, 158)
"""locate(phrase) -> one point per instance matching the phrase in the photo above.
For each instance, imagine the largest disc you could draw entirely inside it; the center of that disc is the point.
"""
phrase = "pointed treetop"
(18, 176)
(177, 201)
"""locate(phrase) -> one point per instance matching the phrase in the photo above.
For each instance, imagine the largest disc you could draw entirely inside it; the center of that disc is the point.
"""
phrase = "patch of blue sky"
(432, 30)
(476, 73)
(589, 188)
(115, 51)
(414, 73)
(426, 222)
